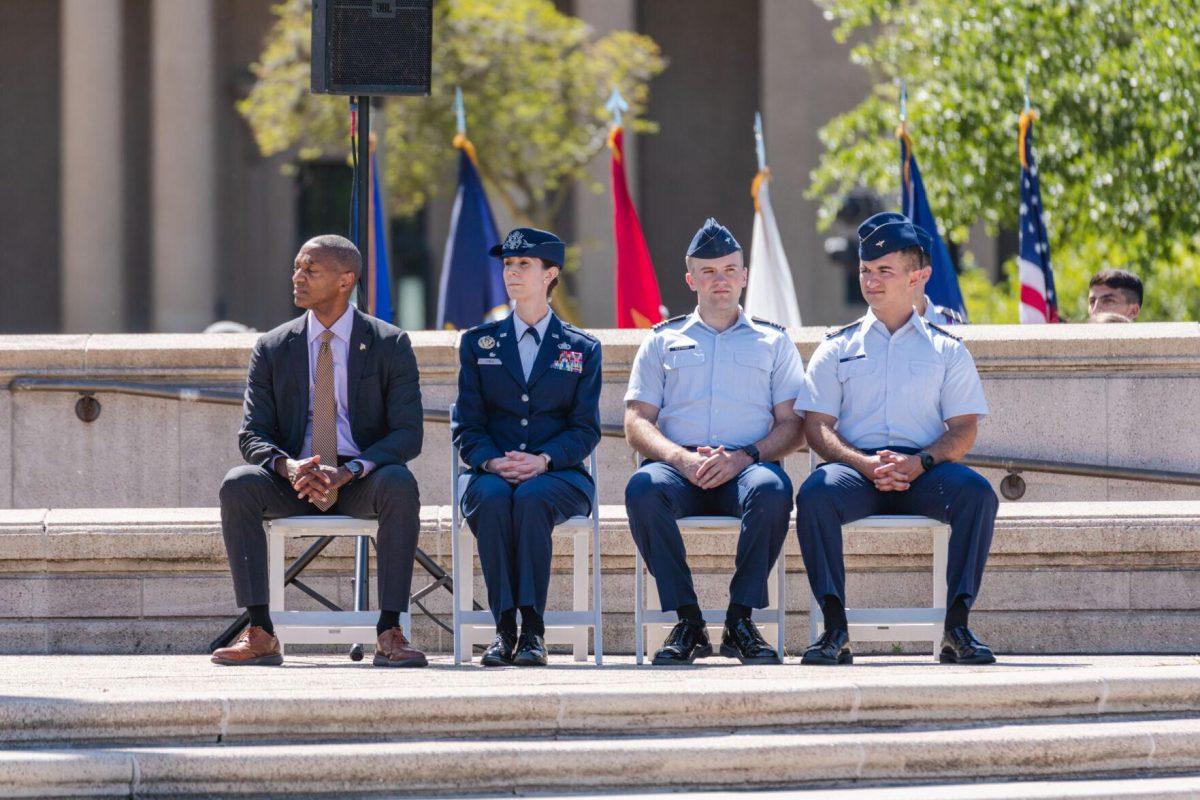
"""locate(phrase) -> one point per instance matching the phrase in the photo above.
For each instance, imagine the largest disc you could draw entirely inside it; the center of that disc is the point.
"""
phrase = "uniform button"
(524, 398)
(524, 422)
(521, 445)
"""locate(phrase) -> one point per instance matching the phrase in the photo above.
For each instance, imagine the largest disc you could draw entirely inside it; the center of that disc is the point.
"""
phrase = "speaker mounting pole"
(362, 189)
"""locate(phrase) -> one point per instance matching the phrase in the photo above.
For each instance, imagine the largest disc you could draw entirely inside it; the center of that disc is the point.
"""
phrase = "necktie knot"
(326, 336)
(532, 332)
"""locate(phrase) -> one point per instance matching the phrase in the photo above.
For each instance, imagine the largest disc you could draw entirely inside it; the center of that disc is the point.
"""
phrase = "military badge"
(515, 241)
(487, 342)
(564, 346)
(569, 361)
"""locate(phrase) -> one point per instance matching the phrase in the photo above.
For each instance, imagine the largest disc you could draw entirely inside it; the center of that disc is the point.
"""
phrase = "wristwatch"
(355, 468)
(751, 451)
(926, 460)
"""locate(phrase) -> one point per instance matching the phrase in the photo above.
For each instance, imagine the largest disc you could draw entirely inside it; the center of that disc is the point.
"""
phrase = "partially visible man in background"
(1114, 292)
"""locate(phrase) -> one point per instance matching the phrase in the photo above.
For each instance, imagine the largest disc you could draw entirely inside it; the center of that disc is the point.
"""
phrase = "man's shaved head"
(338, 249)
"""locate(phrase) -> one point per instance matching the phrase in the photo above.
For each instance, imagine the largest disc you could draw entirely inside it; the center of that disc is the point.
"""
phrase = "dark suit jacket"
(383, 389)
(559, 404)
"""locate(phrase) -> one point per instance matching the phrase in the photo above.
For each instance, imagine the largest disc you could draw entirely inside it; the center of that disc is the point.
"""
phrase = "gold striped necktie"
(324, 418)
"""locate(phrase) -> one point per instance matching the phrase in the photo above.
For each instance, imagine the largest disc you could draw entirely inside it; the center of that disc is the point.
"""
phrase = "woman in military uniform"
(527, 417)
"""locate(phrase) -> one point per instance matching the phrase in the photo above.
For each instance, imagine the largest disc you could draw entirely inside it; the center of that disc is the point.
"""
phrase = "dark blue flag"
(943, 283)
(1039, 303)
(472, 289)
(381, 279)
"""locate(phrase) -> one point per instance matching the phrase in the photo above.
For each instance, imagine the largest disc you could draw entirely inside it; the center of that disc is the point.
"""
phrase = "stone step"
(1108, 577)
(738, 760)
(166, 700)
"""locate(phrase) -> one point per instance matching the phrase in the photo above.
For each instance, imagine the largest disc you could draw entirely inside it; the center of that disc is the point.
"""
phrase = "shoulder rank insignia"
(578, 331)
(950, 314)
(832, 332)
(945, 332)
(668, 321)
(769, 324)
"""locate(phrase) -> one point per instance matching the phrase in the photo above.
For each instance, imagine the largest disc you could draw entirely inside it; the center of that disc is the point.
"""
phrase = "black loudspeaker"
(371, 47)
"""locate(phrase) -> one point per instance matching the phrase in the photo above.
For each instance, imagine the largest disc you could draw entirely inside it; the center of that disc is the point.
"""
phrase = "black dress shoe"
(833, 647)
(531, 650)
(959, 646)
(500, 652)
(742, 640)
(686, 642)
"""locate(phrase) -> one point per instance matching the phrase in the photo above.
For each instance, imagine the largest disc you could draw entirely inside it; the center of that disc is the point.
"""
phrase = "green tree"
(1116, 85)
(534, 83)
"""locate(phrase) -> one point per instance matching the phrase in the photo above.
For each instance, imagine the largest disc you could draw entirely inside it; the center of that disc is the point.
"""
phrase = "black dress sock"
(508, 622)
(531, 621)
(737, 611)
(690, 612)
(956, 614)
(387, 621)
(835, 613)
(260, 616)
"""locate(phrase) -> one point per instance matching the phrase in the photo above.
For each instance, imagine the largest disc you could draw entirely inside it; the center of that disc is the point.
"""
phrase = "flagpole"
(362, 184)
(372, 271)
(759, 147)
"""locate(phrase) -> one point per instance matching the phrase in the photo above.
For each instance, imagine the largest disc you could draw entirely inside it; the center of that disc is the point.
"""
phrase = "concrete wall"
(1113, 395)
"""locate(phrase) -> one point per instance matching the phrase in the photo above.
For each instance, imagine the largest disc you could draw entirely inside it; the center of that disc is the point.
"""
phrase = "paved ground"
(188, 675)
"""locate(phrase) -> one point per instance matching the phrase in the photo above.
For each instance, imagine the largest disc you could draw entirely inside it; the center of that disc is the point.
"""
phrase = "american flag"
(1039, 302)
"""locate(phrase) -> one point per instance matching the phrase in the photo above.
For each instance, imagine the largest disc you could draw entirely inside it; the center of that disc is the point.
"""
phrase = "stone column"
(593, 212)
(183, 147)
(90, 178)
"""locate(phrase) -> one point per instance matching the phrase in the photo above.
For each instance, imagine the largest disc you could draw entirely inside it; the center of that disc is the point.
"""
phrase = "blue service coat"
(556, 412)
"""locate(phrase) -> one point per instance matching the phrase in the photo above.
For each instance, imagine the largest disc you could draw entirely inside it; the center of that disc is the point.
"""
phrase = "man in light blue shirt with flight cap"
(893, 402)
(709, 407)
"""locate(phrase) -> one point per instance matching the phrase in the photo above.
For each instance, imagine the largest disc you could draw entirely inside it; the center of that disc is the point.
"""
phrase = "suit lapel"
(509, 354)
(297, 356)
(360, 347)
(548, 350)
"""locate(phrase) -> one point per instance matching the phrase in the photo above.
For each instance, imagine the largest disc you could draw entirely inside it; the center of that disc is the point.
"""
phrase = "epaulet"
(944, 332)
(484, 326)
(832, 332)
(666, 322)
(568, 326)
(955, 317)
(769, 324)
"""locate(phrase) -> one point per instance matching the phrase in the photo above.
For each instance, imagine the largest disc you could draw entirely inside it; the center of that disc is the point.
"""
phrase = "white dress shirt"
(339, 348)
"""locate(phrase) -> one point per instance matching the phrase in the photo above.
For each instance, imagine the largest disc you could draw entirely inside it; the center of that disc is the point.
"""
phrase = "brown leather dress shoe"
(393, 650)
(254, 647)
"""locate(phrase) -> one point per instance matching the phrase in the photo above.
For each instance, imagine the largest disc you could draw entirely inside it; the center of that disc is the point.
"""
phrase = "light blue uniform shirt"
(527, 348)
(892, 389)
(716, 388)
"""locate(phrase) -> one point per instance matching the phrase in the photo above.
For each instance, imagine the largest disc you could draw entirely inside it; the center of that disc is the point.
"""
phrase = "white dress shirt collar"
(341, 329)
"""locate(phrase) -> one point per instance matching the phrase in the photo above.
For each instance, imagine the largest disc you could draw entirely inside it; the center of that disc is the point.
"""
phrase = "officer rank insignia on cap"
(713, 240)
(487, 342)
(886, 232)
(515, 241)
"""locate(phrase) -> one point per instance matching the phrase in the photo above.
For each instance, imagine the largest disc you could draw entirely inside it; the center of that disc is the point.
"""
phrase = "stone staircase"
(178, 726)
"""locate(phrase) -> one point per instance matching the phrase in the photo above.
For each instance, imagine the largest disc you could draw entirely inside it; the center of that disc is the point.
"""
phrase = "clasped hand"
(312, 480)
(893, 472)
(710, 467)
(516, 466)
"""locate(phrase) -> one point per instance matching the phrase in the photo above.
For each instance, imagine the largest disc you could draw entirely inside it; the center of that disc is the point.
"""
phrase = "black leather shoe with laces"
(833, 647)
(500, 652)
(959, 646)
(743, 641)
(686, 642)
(531, 650)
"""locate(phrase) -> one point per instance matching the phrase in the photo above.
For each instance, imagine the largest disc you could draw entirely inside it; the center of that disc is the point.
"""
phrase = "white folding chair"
(318, 627)
(646, 615)
(897, 624)
(473, 627)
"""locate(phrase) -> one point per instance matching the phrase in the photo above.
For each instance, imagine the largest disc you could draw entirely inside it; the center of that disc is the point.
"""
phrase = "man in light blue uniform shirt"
(893, 401)
(709, 407)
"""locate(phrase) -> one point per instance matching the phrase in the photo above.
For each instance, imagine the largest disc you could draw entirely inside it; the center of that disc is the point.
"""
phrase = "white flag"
(770, 294)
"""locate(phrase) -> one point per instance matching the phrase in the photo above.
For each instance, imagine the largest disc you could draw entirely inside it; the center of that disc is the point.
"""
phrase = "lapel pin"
(362, 346)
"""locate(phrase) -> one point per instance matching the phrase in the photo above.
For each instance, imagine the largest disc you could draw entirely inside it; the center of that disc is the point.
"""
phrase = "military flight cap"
(531, 243)
(713, 240)
(886, 232)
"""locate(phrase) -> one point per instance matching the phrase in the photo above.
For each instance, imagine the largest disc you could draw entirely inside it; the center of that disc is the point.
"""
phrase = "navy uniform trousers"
(836, 493)
(658, 494)
(513, 527)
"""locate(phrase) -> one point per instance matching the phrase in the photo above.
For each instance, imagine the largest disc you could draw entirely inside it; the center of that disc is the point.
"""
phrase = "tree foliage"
(1116, 85)
(534, 84)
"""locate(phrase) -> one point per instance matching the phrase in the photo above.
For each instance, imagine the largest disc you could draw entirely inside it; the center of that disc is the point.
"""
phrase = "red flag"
(639, 305)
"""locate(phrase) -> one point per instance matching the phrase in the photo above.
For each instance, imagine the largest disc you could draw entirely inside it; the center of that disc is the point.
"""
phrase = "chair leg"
(579, 557)
(276, 543)
(598, 625)
(941, 559)
(816, 619)
(781, 606)
(639, 648)
(456, 599)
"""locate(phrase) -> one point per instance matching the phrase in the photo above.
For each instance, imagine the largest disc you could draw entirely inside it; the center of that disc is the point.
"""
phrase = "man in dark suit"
(332, 415)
